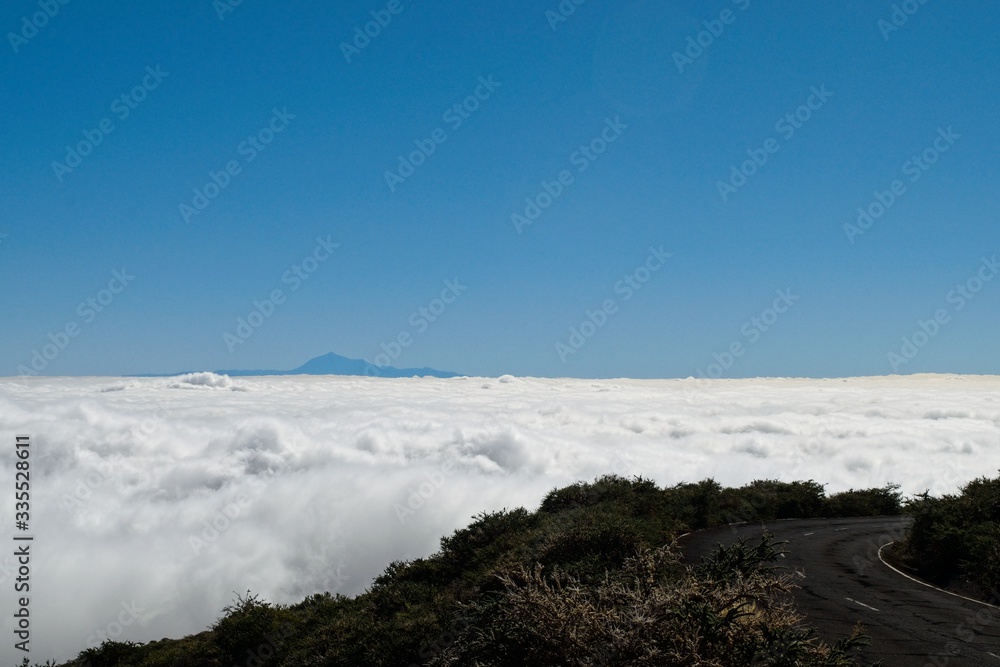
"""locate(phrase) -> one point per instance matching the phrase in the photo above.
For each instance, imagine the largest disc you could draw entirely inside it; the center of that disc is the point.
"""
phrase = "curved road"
(843, 581)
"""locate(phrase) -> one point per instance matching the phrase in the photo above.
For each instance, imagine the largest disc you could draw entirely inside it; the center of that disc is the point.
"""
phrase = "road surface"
(844, 581)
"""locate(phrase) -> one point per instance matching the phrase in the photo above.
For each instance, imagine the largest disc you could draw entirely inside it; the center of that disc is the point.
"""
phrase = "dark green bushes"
(956, 539)
(112, 654)
(252, 632)
(885, 501)
(708, 504)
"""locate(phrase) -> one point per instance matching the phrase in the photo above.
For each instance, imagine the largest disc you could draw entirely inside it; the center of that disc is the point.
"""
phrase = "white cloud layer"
(306, 478)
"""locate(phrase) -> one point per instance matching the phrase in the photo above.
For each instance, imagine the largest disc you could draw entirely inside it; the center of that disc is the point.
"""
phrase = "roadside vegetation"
(592, 578)
(955, 540)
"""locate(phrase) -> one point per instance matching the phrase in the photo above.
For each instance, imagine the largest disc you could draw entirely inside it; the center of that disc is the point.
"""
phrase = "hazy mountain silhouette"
(334, 364)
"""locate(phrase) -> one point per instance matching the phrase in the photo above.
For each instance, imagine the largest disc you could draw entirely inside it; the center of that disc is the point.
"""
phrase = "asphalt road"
(843, 581)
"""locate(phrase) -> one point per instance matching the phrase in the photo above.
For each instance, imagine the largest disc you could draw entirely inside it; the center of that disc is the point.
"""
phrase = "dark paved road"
(843, 582)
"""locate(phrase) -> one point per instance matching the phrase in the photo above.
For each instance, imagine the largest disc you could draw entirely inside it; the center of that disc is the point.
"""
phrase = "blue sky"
(640, 122)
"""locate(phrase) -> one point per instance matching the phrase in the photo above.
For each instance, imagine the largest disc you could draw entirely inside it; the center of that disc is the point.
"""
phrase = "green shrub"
(707, 504)
(112, 654)
(490, 533)
(252, 630)
(886, 501)
(784, 500)
(697, 505)
(956, 538)
(615, 489)
(590, 548)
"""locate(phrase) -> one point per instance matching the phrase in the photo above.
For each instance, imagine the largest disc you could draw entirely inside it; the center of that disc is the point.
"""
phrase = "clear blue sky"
(679, 122)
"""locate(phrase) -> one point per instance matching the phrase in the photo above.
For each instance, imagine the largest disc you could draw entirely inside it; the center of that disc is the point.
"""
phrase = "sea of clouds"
(155, 500)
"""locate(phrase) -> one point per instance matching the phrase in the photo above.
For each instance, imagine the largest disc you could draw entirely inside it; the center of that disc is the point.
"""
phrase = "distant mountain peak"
(335, 364)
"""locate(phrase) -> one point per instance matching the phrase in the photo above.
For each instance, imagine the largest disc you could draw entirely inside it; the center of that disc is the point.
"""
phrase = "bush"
(112, 654)
(697, 505)
(781, 500)
(886, 501)
(615, 489)
(591, 548)
(252, 630)
(489, 530)
(956, 539)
